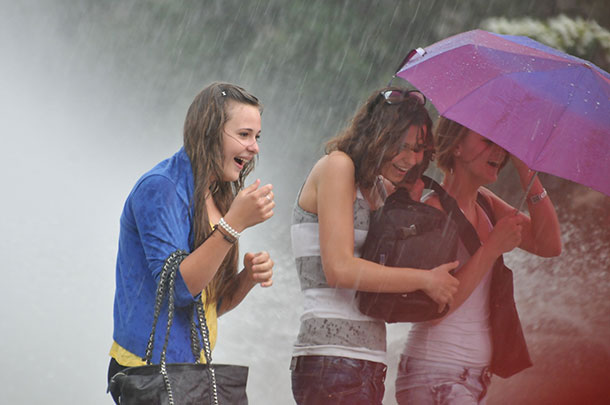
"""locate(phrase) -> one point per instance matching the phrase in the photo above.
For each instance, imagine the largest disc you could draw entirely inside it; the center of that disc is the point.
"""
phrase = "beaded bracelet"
(228, 228)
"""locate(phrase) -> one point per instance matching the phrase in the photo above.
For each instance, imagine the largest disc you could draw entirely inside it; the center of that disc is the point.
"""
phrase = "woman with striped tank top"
(339, 354)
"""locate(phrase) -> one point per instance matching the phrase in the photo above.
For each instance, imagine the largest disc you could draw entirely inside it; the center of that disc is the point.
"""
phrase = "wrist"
(536, 198)
(426, 280)
(226, 235)
(233, 223)
(490, 253)
(249, 278)
(235, 233)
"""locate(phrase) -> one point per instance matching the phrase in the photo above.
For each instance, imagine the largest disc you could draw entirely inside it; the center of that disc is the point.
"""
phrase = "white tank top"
(462, 338)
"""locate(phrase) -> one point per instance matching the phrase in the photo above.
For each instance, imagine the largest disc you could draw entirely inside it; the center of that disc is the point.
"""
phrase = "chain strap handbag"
(180, 383)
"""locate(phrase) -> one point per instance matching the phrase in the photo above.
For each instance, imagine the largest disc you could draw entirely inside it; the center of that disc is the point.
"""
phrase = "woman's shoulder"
(156, 191)
(499, 207)
(333, 173)
(338, 159)
(154, 182)
(489, 197)
(334, 163)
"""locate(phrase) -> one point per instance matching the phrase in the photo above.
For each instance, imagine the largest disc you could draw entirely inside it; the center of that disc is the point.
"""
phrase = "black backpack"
(408, 233)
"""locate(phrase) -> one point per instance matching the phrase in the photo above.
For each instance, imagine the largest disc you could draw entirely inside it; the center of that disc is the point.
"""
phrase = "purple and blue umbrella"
(550, 109)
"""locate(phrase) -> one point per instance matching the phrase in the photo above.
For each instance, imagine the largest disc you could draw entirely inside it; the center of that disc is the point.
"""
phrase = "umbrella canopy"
(550, 109)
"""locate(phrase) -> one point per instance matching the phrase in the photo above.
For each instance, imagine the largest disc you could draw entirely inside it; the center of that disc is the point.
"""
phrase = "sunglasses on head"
(393, 97)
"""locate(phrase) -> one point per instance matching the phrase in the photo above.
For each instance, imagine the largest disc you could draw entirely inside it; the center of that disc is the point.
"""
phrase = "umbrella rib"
(552, 132)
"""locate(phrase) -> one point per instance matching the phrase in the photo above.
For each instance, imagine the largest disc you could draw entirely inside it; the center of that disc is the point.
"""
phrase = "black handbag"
(180, 383)
(408, 233)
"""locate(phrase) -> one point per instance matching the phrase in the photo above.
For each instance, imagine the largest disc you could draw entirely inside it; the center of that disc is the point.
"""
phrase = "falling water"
(93, 96)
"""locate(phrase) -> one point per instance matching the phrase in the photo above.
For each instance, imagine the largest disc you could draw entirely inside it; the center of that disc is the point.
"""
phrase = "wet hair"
(373, 136)
(203, 143)
(447, 136)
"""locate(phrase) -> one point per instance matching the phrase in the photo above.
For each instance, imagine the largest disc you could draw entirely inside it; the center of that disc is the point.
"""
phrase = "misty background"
(94, 93)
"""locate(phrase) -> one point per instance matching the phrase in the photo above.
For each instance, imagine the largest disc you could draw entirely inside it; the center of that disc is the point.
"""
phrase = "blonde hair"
(447, 135)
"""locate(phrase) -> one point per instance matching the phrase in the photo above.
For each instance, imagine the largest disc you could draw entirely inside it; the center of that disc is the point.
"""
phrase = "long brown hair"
(374, 133)
(203, 143)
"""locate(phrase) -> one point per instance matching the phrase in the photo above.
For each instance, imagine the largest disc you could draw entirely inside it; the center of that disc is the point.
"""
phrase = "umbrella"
(550, 109)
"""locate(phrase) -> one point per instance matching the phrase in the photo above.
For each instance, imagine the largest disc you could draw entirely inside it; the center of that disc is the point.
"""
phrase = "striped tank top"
(331, 324)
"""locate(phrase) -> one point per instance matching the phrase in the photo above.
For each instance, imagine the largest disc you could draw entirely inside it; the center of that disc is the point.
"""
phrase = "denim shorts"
(321, 380)
(432, 383)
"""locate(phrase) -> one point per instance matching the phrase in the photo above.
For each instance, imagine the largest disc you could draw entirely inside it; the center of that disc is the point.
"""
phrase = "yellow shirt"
(128, 359)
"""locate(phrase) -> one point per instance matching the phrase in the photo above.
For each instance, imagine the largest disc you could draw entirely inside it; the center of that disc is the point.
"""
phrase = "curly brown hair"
(203, 143)
(374, 133)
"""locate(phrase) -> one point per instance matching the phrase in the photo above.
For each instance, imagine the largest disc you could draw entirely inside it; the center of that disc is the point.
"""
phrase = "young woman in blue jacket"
(193, 201)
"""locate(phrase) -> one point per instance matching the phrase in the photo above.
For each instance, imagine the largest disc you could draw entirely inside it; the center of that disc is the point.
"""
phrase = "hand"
(506, 235)
(259, 268)
(441, 286)
(523, 170)
(251, 206)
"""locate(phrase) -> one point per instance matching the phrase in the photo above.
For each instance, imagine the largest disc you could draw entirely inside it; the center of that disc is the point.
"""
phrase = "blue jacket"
(156, 221)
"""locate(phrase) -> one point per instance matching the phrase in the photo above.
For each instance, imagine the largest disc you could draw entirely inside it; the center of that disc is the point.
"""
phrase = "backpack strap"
(484, 203)
(468, 234)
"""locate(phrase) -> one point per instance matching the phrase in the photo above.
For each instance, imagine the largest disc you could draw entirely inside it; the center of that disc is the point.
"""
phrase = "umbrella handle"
(527, 191)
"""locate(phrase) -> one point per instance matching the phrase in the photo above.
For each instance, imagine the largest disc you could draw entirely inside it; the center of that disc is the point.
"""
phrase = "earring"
(456, 153)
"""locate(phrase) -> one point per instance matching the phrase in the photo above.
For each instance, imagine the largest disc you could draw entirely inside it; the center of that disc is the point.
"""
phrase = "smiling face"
(480, 157)
(240, 136)
(410, 153)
